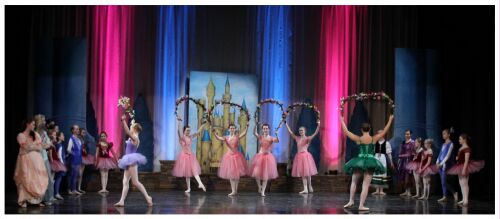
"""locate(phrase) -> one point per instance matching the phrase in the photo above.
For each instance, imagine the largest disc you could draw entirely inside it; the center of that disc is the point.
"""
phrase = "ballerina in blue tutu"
(130, 161)
(365, 163)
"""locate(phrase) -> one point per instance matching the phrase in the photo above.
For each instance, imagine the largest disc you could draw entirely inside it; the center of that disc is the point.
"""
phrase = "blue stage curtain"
(274, 60)
(175, 25)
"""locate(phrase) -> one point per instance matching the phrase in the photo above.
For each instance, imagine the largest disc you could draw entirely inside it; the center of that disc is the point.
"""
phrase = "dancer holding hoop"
(264, 166)
(365, 163)
(303, 163)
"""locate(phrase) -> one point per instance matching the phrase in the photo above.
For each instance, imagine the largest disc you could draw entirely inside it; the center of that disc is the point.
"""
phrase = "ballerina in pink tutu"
(414, 165)
(105, 159)
(426, 169)
(303, 163)
(186, 164)
(263, 166)
(233, 163)
(464, 167)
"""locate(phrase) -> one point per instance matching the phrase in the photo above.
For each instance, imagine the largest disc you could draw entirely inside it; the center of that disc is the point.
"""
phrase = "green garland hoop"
(218, 102)
(381, 96)
(270, 101)
(187, 98)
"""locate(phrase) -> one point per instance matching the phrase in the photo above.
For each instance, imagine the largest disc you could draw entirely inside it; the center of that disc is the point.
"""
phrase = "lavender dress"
(131, 156)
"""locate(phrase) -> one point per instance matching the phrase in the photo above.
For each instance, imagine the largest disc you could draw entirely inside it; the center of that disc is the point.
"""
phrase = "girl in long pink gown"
(186, 164)
(233, 163)
(303, 163)
(30, 175)
(263, 166)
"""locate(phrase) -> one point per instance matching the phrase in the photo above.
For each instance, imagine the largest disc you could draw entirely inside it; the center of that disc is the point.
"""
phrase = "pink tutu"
(430, 170)
(232, 166)
(186, 165)
(88, 160)
(106, 163)
(57, 166)
(303, 165)
(413, 165)
(474, 166)
(264, 166)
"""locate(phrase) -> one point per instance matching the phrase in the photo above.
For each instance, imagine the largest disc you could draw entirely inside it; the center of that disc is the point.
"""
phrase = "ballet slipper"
(303, 192)
(363, 208)
(382, 193)
(350, 204)
(202, 187)
(119, 204)
(443, 199)
(149, 200)
(311, 189)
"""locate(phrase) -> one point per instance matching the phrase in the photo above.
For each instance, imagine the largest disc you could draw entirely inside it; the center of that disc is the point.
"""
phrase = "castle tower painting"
(207, 87)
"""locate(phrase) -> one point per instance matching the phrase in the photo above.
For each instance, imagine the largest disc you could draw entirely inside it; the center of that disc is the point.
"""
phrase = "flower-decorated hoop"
(124, 102)
(302, 104)
(270, 101)
(217, 102)
(368, 96)
(186, 98)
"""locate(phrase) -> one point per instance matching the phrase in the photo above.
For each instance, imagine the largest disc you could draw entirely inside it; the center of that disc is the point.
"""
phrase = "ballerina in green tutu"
(365, 163)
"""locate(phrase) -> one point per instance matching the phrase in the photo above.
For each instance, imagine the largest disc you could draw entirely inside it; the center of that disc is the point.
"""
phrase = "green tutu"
(365, 161)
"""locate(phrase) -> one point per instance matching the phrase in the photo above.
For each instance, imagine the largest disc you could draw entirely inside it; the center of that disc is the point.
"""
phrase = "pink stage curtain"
(111, 47)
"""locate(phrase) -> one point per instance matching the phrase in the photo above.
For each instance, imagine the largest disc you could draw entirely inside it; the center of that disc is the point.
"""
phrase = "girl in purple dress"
(130, 161)
(405, 156)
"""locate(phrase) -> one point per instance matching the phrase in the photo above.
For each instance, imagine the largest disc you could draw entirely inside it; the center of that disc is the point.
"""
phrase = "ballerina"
(130, 161)
(426, 169)
(233, 163)
(263, 166)
(303, 163)
(105, 159)
(365, 163)
(464, 167)
(414, 165)
(186, 164)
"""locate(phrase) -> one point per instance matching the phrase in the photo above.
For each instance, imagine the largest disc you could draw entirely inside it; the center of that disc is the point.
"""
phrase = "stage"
(198, 202)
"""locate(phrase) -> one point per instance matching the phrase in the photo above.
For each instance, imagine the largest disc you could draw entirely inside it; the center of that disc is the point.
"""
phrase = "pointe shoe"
(362, 208)
(71, 193)
(119, 204)
(311, 190)
(443, 199)
(149, 200)
(421, 198)
(202, 187)
(101, 191)
(262, 194)
(375, 193)
(231, 194)
(382, 193)
(303, 192)
(77, 193)
(460, 202)
(59, 197)
(188, 191)
(404, 194)
(350, 204)
(415, 196)
(80, 191)
(259, 190)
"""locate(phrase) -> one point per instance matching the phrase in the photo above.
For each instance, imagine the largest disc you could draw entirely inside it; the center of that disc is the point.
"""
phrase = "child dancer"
(444, 162)
(130, 161)
(414, 165)
(405, 156)
(383, 153)
(263, 166)
(365, 163)
(303, 163)
(186, 164)
(75, 159)
(105, 159)
(57, 164)
(233, 163)
(426, 169)
(87, 159)
(464, 167)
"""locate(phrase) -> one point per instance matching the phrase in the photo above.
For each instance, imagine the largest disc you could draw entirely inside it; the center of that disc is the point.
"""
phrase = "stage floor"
(177, 202)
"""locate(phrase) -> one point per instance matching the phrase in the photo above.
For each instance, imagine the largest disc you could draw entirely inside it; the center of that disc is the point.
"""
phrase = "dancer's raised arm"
(349, 134)
(317, 129)
(244, 132)
(386, 129)
(194, 135)
(126, 128)
(289, 129)
(217, 136)
(255, 131)
(179, 132)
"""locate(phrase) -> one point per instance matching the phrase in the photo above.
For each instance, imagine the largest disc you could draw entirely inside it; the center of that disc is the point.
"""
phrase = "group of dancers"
(43, 161)
(414, 159)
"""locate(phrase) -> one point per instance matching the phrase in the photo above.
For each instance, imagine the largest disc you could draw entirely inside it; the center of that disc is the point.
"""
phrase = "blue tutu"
(132, 159)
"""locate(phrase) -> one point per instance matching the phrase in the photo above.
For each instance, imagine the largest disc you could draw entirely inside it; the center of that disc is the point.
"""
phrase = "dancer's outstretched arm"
(255, 131)
(244, 132)
(127, 129)
(317, 129)
(289, 129)
(349, 134)
(386, 129)
(276, 139)
(216, 136)
(194, 135)
(179, 132)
